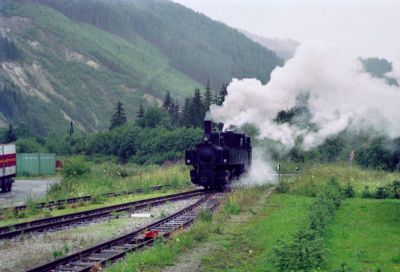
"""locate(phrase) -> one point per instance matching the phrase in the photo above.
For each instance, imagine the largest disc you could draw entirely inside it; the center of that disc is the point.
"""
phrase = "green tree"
(208, 96)
(167, 101)
(222, 94)
(10, 136)
(196, 109)
(186, 114)
(140, 112)
(71, 128)
(118, 119)
(154, 117)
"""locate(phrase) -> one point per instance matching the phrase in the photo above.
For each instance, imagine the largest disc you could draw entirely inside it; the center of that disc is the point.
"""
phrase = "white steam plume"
(340, 96)
(260, 173)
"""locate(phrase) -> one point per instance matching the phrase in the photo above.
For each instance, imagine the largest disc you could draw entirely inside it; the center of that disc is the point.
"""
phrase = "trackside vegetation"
(84, 178)
(331, 228)
(305, 251)
(364, 236)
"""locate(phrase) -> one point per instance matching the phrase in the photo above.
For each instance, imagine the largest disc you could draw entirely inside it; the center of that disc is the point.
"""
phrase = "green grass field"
(314, 178)
(365, 236)
(248, 246)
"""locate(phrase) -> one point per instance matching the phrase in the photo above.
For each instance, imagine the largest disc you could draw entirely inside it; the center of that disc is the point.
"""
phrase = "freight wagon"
(8, 160)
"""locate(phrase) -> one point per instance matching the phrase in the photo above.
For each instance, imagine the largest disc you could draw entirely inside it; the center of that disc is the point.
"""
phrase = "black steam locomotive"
(219, 158)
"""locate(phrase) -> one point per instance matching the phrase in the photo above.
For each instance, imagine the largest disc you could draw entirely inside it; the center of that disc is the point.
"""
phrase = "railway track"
(62, 221)
(116, 249)
(62, 202)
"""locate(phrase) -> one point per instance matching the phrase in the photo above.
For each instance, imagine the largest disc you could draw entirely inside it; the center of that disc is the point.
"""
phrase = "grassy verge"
(248, 246)
(313, 179)
(9, 217)
(244, 231)
(365, 236)
(85, 179)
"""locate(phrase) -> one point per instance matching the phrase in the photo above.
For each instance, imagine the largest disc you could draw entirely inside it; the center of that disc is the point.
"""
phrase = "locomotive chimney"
(207, 127)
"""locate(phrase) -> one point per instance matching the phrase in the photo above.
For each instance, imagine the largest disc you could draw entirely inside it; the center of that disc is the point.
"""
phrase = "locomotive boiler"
(219, 157)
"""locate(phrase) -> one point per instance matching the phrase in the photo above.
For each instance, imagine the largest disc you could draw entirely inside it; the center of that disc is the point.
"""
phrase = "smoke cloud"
(323, 79)
(261, 172)
(330, 84)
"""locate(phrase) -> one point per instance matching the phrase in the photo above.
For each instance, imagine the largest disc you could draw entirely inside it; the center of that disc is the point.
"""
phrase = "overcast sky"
(365, 27)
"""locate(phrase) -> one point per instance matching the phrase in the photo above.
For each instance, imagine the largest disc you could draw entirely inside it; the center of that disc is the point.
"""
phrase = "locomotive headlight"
(188, 161)
(206, 138)
(225, 160)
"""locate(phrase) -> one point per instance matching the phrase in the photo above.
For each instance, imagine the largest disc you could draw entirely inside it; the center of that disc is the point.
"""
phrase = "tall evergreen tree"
(140, 112)
(10, 136)
(176, 114)
(167, 101)
(119, 117)
(186, 114)
(208, 96)
(71, 128)
(197, 109)
(223, 92)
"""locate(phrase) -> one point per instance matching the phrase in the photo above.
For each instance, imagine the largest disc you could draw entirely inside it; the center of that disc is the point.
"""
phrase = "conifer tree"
(176, 114)
(197, 109)
(223, 92)
(119, 117)
(208, 96)
(186, 114)
(167, 101)
(71, 128)
(10, 136)
(140, 112)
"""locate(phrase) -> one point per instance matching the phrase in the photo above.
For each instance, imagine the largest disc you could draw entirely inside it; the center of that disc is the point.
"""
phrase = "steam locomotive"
(219, 157)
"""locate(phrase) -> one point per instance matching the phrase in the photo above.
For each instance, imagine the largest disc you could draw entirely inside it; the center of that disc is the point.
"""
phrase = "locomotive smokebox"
(207, 127)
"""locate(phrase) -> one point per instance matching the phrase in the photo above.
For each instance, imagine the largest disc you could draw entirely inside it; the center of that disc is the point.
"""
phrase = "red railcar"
(8, 161)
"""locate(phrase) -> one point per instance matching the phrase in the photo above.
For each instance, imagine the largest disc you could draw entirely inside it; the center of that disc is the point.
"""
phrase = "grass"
(248, 246)
(244, 239)
(365, 236)
(206, 228)
(106, 177)
(29, 215)
(314, 178)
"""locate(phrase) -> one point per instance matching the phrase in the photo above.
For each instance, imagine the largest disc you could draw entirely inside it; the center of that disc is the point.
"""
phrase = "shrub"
(75, 167)
(349, 191)
(304, 252)
(381, 193)
(396, 188)
(366, 193)
(231, 207)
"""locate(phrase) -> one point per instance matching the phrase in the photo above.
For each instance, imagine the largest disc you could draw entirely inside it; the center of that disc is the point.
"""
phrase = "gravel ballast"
(26, 252)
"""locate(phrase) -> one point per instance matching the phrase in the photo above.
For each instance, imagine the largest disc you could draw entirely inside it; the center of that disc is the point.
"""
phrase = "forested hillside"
(197, 46)
(74, 60)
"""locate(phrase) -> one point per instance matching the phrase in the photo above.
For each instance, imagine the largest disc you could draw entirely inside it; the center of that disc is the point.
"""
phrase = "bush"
(366, 193)
(304, 252)
(349, 191)
(75, 167)
(381, 193)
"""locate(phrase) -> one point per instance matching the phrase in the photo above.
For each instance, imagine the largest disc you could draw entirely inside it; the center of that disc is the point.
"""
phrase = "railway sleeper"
(97, 258)
(111, 251)
(81, 264)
